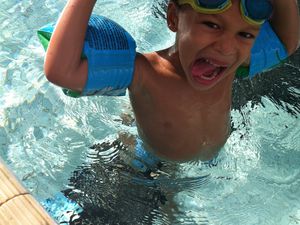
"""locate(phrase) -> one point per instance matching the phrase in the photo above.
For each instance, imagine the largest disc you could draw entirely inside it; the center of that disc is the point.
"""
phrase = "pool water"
(45, 137)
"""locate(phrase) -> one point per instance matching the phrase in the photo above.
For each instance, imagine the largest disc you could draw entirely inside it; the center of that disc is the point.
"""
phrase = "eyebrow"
(253, 28)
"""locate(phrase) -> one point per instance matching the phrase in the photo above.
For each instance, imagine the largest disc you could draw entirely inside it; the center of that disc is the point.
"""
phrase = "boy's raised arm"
(63, 64)
(286, 23)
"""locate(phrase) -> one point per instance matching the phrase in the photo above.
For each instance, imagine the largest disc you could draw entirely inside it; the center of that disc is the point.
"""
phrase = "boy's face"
(210, 47)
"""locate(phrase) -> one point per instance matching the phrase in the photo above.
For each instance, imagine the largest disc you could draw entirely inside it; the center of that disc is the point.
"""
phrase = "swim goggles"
(254, 12)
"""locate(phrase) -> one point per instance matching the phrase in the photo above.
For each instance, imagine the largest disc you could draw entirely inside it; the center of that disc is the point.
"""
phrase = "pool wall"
(17, 206)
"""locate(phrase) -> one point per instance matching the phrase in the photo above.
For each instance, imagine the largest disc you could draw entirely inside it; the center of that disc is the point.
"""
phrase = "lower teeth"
(211, 77)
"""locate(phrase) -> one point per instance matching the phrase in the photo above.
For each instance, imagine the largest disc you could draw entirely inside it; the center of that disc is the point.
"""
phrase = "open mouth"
(206, 71)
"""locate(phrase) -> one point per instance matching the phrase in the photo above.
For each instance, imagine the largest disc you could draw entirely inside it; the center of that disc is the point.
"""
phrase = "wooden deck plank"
(17, 206)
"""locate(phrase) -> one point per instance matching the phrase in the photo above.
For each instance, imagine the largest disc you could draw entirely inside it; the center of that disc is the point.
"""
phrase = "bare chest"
(179, 125)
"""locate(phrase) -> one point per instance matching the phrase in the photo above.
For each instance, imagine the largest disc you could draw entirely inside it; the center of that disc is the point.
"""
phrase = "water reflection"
(112, 192)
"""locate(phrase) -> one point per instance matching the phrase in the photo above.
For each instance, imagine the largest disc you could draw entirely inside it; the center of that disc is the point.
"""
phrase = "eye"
(211, 25)
(247, 35)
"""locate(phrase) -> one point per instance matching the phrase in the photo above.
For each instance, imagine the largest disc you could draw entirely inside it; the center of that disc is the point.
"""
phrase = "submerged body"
(181, 96)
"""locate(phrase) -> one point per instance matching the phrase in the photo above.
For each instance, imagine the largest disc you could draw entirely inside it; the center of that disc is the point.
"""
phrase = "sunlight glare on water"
(45, 137)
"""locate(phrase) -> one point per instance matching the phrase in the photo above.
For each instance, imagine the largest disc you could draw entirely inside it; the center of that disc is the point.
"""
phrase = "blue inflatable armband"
(110, 52)
(267, 52)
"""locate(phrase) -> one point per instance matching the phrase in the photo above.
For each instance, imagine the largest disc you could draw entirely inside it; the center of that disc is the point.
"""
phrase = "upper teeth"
(206, 60)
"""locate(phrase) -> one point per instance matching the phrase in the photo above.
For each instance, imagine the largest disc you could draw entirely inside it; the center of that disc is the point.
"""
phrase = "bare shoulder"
(145, 67)
(148, 59)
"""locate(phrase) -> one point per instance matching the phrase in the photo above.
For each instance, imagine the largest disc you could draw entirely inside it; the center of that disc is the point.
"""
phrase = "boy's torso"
(175, 121)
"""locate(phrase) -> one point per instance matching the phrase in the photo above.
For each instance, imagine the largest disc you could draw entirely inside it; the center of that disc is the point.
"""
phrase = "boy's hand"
(286, 23)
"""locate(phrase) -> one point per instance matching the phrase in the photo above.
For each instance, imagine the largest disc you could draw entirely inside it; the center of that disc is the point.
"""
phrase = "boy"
(181, 96)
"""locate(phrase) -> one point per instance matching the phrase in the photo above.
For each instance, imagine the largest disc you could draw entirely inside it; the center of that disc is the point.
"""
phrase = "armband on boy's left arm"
(267, 52)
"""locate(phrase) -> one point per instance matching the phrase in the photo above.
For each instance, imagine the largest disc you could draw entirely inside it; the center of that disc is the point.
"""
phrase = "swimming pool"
(45, 137)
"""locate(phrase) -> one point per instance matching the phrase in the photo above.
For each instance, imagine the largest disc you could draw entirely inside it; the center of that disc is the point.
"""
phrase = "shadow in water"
(112, 192)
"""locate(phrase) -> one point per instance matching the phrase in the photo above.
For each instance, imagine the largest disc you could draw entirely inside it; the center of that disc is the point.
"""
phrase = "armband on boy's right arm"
(267, 52)
(110, 52)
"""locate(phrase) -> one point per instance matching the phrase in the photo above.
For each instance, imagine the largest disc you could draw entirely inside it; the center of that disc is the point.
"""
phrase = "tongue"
(202, 68)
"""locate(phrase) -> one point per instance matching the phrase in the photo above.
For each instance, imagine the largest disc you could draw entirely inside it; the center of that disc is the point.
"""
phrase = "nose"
(226, 45)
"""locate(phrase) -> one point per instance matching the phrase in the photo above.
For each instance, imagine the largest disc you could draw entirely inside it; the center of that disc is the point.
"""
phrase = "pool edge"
(17, 205)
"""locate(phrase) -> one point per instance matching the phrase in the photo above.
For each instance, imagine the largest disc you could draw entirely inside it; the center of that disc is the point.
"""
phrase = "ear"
(172, 16)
